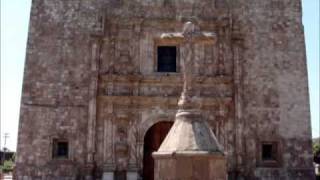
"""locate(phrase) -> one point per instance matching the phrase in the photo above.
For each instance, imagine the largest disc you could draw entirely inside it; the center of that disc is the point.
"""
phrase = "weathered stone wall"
(55, 89)
(90, 77)
(275, 92)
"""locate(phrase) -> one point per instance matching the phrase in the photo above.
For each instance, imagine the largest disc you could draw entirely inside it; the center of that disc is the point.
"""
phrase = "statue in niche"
(121, 149)
(221, 4)
(208, 67)
(123, 64)
(221, 59)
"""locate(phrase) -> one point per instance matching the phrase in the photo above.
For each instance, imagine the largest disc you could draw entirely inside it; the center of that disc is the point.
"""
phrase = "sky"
(14, 29)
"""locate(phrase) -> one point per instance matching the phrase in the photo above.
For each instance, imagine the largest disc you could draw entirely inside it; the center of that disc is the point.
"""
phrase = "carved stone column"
(109, 166)
(237, 40)
(221, 54)
(133, 138)
(93, 88)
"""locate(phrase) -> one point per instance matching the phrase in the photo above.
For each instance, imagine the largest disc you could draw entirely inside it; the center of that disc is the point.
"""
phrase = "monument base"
(190, 166)
(108, 173)
(108, 176)
(132, 175)
(190, 151)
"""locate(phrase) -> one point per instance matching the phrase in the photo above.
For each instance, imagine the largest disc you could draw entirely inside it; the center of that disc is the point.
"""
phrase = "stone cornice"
(164, 78)
(149, 101)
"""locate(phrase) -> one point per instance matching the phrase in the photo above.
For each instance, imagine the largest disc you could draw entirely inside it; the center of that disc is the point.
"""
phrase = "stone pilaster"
(92, 108)
(237, 40)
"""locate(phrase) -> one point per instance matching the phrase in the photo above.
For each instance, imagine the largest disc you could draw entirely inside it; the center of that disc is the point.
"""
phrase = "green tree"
(7, 166)
(316, 148)
(316, 152)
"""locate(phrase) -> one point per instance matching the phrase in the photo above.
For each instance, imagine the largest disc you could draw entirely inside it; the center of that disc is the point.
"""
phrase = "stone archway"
(152, 141)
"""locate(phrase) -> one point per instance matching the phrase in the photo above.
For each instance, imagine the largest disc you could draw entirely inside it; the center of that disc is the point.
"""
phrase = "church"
(101, 87)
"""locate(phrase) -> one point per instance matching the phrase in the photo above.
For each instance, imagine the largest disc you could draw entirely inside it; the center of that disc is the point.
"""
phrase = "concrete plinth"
(190, 166)
(132, 175)
(108, 176)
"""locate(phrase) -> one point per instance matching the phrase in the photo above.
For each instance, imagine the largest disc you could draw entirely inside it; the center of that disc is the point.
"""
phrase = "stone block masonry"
(92, 89)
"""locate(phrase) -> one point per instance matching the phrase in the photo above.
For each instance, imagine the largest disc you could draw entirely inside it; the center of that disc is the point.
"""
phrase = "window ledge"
(167, 73)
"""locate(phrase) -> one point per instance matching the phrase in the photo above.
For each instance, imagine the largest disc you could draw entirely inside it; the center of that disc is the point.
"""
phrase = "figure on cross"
(190, 36)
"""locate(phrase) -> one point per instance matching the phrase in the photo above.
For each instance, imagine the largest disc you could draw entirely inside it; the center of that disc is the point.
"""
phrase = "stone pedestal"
(108, 175)
(190, 151)
(190, 166)
(132, 175)
(88, 171)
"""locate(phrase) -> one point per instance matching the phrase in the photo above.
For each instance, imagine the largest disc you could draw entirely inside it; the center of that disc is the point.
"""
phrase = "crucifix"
(190, 136)
(189, 36)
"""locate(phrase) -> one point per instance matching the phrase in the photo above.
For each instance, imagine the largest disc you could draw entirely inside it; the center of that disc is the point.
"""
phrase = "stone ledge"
(196, 154)
(163, 78)
(145, 100)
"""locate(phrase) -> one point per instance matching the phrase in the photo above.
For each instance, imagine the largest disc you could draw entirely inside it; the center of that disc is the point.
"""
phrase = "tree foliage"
(316, 148)
(7, 166)
(316, 152)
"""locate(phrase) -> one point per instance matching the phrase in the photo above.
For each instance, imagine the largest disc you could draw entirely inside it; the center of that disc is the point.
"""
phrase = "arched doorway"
(152, 141)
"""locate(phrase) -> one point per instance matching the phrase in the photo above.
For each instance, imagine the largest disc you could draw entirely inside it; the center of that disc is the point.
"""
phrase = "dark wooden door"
(152, 141)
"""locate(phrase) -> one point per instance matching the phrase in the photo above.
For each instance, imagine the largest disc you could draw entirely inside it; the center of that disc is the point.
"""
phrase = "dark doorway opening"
(152, 141)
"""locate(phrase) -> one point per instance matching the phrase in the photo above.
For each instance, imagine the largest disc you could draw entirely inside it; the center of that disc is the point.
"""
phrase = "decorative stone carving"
(124, 63)
(121, 149)
(209, 59)
(221, 4)
(93, 89)
(99, 24)
(221, 56)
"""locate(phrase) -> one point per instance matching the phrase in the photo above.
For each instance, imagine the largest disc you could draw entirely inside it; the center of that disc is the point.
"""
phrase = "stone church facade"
(101, 87)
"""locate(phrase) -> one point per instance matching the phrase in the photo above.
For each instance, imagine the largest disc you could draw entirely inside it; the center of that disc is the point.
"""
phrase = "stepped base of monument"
(130, 175)
(190, 133)
(190, 151)
(190, 165)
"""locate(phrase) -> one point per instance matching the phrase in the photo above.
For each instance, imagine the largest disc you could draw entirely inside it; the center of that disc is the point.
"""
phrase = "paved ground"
(7, 177)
